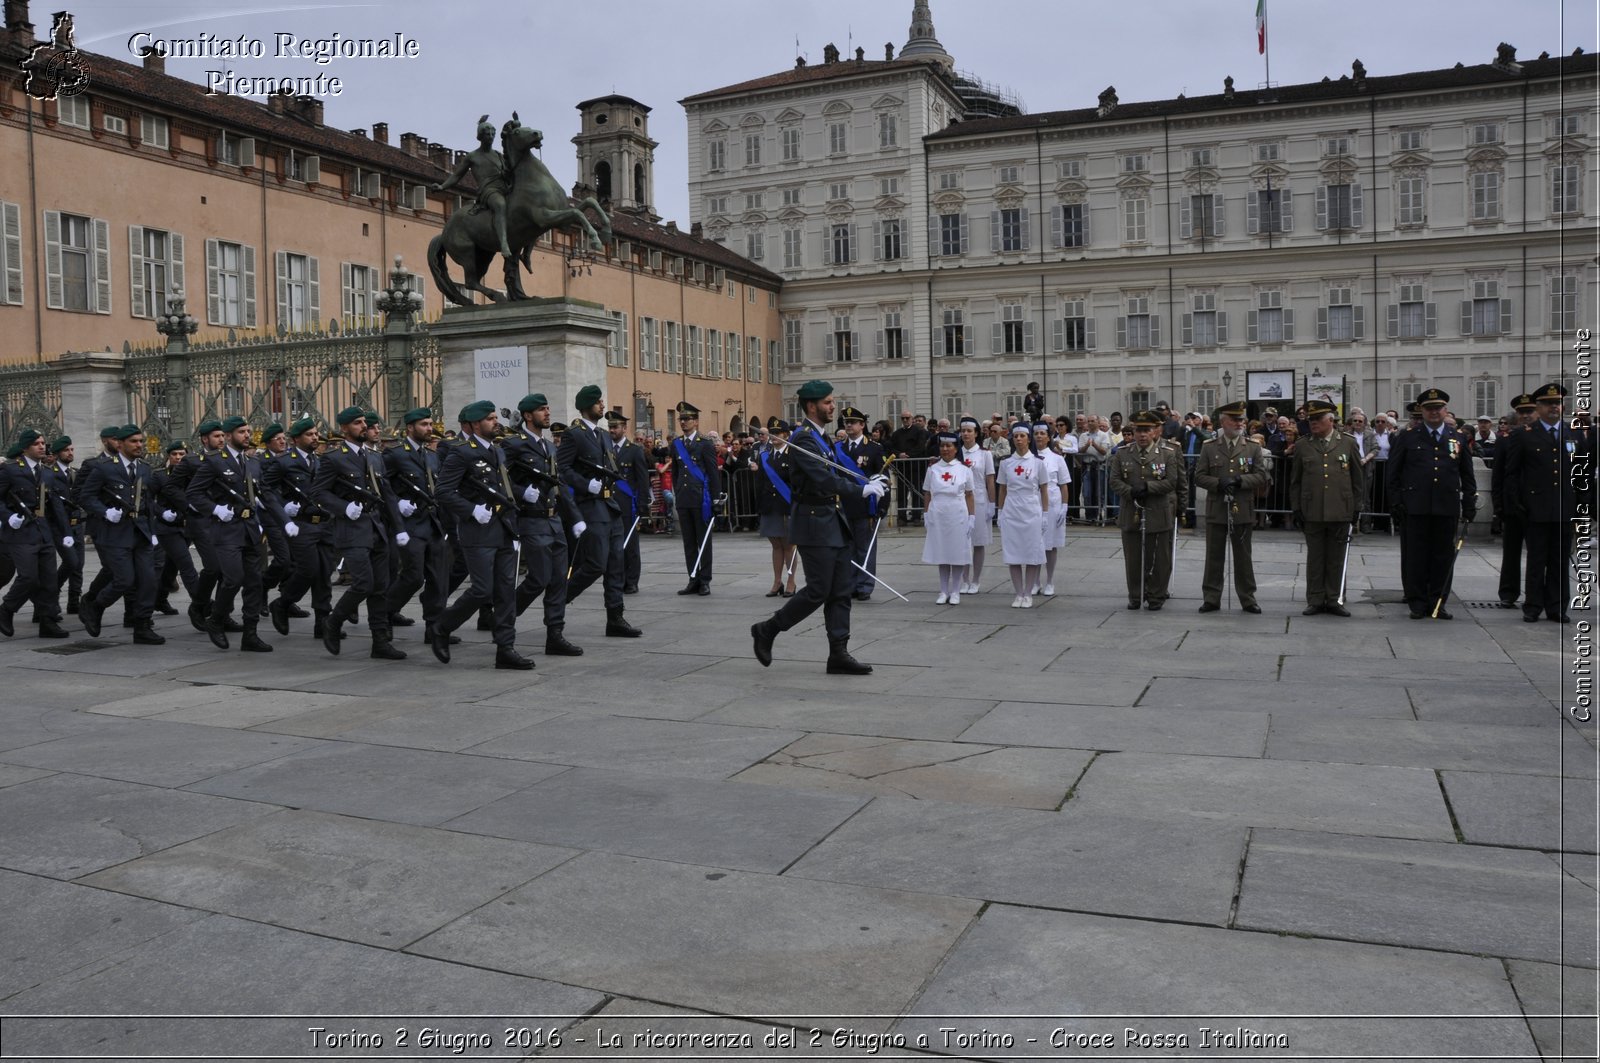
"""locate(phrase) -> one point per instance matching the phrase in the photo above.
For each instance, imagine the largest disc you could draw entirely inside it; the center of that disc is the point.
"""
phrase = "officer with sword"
(1430, 478)
(1325, 492)
(698, 481)
(635, 487)
(1230, 469)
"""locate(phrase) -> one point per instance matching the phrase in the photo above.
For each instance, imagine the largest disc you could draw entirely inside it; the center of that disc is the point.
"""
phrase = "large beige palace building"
(272, 221)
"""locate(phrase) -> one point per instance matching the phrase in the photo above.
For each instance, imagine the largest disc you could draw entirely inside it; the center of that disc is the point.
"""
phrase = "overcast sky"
(541, 58)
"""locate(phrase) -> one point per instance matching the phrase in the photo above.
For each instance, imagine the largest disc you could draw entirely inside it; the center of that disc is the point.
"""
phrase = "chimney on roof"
(413, 145)
(861, 55)
(671, 226)
(799, 62)
(440, 155)
(308, 109)
(888, 52)
(380, 132)
(697, 230)
(1227, 87)
(18, 28)
(830, 54)
(1358, 72)
(277, 102)
(1505, 57)
(1108, 101)
(362, 133)
(155, 62)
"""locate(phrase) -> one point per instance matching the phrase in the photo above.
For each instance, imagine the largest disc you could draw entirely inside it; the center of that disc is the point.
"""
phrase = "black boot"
(384, 650)
(280, 616)
(400, 620)
(506, 657)
(8, 628)
(295, 612)
(617, 626)
(166, 608)
(197, 617)
(319, 625)
(841, 663)
(556, 644)
(49, 629)
(144, 634)
(332, 632)
(692, 588)
(439, 641)
(89, 613)
(215, 632)
(765, 635)
(486, 619)
(250, 642)
(74, 598)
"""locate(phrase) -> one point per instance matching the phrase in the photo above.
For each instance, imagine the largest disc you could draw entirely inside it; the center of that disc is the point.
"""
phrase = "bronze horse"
(535, 205)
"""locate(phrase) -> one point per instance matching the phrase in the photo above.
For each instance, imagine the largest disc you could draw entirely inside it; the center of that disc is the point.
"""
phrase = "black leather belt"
(818, 500)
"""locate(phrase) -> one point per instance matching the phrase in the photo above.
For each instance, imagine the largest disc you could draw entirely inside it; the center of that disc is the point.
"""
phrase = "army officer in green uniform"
(1230, 468)
(1149, 479)
(1325, 487)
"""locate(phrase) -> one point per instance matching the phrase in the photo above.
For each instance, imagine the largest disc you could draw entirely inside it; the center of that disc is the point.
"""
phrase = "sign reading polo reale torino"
(500, 374)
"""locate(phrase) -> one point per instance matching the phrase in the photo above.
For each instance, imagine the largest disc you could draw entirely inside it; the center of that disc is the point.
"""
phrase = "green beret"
(60, 443)
(302, 426)
(588, 396)
(110, 431)
(348, 414)
(205, 428)
(128, 431)
(533, 402)
(421, 413)
(27, 438)
(173, 448)
(473, 412)
(814, 389)
(373, 419)
(234, 423)
(13, 451)
(273, 429)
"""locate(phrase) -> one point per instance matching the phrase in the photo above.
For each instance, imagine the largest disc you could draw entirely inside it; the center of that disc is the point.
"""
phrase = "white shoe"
(955, 599)
(1033, 590)
(1048, 590)
(942, 599)
(1027, 601)
(1016, 603)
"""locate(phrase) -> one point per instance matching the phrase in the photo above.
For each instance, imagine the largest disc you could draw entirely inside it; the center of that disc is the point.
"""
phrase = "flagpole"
(1266, 44)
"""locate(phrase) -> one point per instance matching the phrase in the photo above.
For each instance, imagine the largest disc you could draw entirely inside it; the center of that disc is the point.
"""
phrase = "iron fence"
(30, 397)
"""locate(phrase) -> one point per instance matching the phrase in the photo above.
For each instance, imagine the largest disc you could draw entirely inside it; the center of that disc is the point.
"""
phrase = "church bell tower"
(616, 156)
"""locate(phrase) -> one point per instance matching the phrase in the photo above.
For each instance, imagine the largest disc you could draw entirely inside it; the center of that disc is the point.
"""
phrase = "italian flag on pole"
(1261, 27)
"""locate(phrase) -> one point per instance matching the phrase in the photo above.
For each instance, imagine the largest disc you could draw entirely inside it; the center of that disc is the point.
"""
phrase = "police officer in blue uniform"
(820, 530)
(697, 483)
(33, 522)
(635, 488)
(1431, 485)
(544, 511)
(1549, 474)
(589, 469)
(226, 486)
(120, 497)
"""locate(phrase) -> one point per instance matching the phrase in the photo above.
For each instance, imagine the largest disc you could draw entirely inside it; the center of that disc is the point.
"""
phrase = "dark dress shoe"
(1133, 605)
(1419, 614)
(384, 650)
(89, 614)
(1155, 607)
(280, 616)
(332, 632)
(512, 660)
(841, 663)
(630, 588)
(250, 642)
(145, 635)
(1508, 603)
(218, 637)
(556, 645)
(703, 589)
(427, 636)
(764, 637)
(49, 629)
(692, 588)
(72, 606)
(1443, 614)
(166, 608)
(7, 627)
(400, 620)
(860, 596)
(197, 619)
(1336, 610)
(1530, 618)
(1253, 608)
(1208, 607)
(1311, 610)
(440, 643)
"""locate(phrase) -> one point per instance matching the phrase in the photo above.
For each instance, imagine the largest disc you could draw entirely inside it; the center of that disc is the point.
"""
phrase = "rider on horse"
(488, 168)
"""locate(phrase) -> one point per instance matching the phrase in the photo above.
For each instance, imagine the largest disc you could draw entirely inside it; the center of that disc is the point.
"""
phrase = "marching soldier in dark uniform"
(697, 482)
(1430, 480)
(635, 487)
(860, 510)
(225, 486)
(543, 511)
(1512, 526)
(33, 522)
(286, 492)
(172, 552)
(589, 469)
(424, 562)
(1148, 477)
(349, 484)
(474, 488)
(1325, 491)
(202, 529)
(1230, 468)
(120, 498)
(1549, 474)
(821, 531)
(274, 441)
(109, 451)
(69, 572)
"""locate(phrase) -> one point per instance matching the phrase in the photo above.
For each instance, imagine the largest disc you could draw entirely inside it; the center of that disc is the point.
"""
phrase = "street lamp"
(1227, 384)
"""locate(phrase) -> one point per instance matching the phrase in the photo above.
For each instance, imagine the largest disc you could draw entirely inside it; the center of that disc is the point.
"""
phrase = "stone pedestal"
(505, 351)
(92, 396)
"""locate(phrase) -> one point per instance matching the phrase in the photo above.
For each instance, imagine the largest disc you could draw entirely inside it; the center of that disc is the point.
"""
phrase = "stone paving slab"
(1079, 660)
(1343, 798)
(1102, 688)
(447, 728)
(930, 718)
(179, 697)
(1084, 862)
(699, 750)
(1511, 703)
(141, 751)
(745, 671)
(30, 692)
(1547, 993)
(949, 771)
(665, 817)
(729, 942)
(1530, 811)
(196, 971)
(1432, 744)
(318, 872)
(1353, 698)
(1149, 730)
(1460, 898)
(413, 786)
(27, 725)
(66, 826)
(119, 659)
(1025, 962)
(12, 775)
(1302, 668)
(263, 672)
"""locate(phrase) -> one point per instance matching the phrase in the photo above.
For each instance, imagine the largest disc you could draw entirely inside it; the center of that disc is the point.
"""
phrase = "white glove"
(17, 520)
(222, 513)
(353, 511)
(114, 515)
(154, 541)
(530, 494)
(1061, 518)
(578, 529)
(482, 513)
(407, 507)
(291, 509)
(972, 521)
(872, 489)
(594, 487)
(291, 529)
(402, 538)
(169, 516)
(68, 542)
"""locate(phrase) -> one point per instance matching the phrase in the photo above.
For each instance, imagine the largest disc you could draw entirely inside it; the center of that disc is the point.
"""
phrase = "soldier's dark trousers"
(692, 526)
(133, 574)
(424, 565)
(492, 571)
(1157, 552)
(69, 568)
(546, 558)
(174, 557)
(368, 569)
(600, 557)
(239, 566)
(1244, 576)
(632, 560)
(1425, 566)
(279, 566)
(311, 568)
(35, 566)
(1549, 586)
(830, 581)
(1325, 541)
(1513, 531)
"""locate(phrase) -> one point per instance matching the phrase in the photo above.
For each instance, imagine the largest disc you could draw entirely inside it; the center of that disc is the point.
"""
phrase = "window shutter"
(1122, 332)
(1286, 209)
(1430, 319)
(1252, 213)
(175, 278)
(1185, 226)
(311, 167)
(877, 241)
(827, 246)
(372, 293)
(1219, 226)
(994, 231)
(1058, 228)
(964, 234)
(247, 151)
(1358, 321)
(1288, 326)
(1322, 207)
(11, 246)
(1466, 317)
(1322, 323)
(855, 346)
(1355, 206)
(347, 303)
(1155, 330)
(877, 345)
(1188, 330)
(1084, 220)
(1394, 321)
(213, 284)
(855, 243)
(101, 262)
(136, 305)
(966, 339)
(281, 271)
(828, 353)
(314, 294)
(1250, 332)
(1505, 317)
(1027, 337)
(934, 247)
(1027, 232)
(1222, 327)
(247, 255)
(997, 333)
(1088, 334)
(1058, 335)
